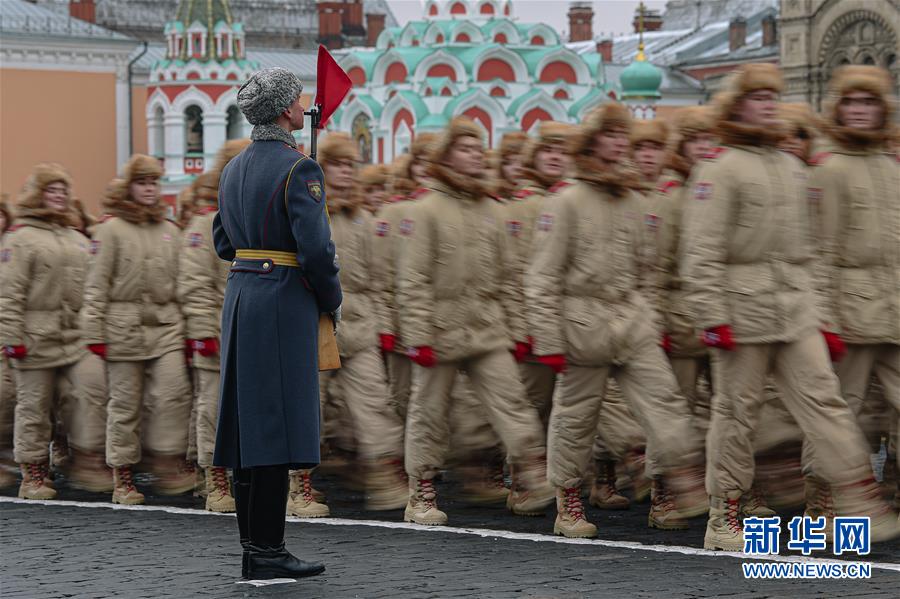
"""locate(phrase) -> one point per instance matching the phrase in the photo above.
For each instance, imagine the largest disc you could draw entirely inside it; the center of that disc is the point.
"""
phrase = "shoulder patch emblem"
(703, 190)
(95, 247)
(545, 222)
(195, 240)
(5, 255)
(814, 194)
(315, 190)
(514, 227)
(406, 226)
(652, 221)
(167, 236)
(382, 228)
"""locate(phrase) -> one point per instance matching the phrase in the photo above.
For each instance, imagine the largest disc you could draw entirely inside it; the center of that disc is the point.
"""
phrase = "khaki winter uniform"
(399, 366)
(41, 276)
(747, 262)
(360, 383)
(587, 291)
(857, 193)
(664, 220)
(459, 298)
(130, 305)
(201, 292)
(522, 212)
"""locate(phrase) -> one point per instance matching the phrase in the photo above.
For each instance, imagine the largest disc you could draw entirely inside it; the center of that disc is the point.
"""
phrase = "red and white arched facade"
(192, 99)
(465, 57)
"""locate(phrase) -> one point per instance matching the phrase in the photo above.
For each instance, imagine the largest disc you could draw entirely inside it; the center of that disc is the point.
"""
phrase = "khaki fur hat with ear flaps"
(337, 146)
(799, 115)
(549, 133)
(512, 143)
(655, 130)
(374, 175)
(140, 166)
(460, 126)
(31, 200)
(422, 146)
(227, 152)
(861, 78)
(746, 79)
(604, 118)
(687, 123)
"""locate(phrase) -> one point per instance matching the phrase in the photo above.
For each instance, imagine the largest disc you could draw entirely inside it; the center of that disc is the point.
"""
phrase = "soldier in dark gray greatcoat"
(273, 227)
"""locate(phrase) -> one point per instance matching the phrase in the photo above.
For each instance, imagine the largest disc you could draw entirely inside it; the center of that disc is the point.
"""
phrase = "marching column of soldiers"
(703, 310)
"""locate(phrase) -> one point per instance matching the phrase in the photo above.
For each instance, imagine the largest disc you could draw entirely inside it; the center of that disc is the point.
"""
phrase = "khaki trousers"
(472, 437)
(540, 382)
(495, 382)
(359, 387)
(854, 374)
(206, 411)
(648, 385)
(7, 408)
(810, 392)
(159, 390)
(399, 371)
(79, 391)
(618, 430)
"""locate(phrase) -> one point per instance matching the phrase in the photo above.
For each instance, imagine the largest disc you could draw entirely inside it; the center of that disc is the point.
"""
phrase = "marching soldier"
(460, 310)
(747, 264)
(410, 184)
(374, 180)
(509, 165)
(855, 189)
(201, 291)
(589, 316)
(7, 385)
(42, 264)
(648, 150)
(360, 383)
(132, 319)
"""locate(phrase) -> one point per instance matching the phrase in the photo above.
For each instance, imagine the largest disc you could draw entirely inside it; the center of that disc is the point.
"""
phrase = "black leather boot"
(242, 505)
(266, 563)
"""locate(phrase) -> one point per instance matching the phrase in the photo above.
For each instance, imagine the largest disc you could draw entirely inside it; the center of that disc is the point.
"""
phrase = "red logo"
(652, 221)
(382, 228)
(195, 240)
(406, 226)
(814, 194)
(514, 227)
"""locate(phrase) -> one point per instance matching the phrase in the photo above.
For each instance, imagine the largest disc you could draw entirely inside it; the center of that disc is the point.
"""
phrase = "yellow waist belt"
(277, 257)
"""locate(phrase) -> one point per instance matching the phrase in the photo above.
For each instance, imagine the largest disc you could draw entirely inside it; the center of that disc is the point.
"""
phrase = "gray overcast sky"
(609, 15)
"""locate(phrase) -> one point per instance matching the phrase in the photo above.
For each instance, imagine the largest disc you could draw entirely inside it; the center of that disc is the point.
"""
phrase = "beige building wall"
(60, 116)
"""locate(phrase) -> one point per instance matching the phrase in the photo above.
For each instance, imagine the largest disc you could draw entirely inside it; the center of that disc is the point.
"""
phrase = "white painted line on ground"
(477, 532)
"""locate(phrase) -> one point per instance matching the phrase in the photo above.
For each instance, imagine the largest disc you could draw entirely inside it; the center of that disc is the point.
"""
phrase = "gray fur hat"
(267, 94)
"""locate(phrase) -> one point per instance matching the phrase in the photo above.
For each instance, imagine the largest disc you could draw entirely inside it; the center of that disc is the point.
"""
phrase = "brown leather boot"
(124, 491)
(603, 492)
(570, 520)
(663, 514)
(34, 484)
(218, 498)
(724, 530)
(422, 507)
(301, 501)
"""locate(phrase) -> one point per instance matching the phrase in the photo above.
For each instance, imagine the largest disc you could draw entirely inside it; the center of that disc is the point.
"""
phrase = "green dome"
(640, 79)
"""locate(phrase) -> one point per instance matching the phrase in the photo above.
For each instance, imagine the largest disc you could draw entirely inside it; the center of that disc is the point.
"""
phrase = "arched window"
(537, 41)
(439, 39)
(357, 76)
(498, 92)
(395, 73)
(487, 8)
(442, 70)
(557, 70)
(561, 94)
(233, 126)
(458, 8)
(500, 38)
(463, 38)
(495, 68)
(433, 10)
(193, 129)
(446, 92)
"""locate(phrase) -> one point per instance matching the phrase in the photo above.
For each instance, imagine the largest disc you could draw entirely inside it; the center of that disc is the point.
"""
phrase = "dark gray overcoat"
(271, 197)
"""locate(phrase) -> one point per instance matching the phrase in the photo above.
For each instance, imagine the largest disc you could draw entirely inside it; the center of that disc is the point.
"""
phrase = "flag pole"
(315, 116)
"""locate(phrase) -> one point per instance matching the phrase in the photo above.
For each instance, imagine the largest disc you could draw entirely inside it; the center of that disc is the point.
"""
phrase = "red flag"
(332, 86)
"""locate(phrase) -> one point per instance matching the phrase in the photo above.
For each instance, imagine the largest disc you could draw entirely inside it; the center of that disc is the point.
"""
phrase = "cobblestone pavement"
(68, 550)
